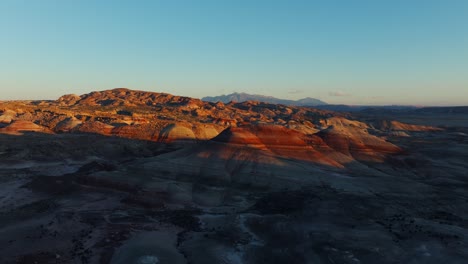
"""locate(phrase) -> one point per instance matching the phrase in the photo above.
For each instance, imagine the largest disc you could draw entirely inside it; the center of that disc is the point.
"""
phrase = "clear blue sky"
(354, 52)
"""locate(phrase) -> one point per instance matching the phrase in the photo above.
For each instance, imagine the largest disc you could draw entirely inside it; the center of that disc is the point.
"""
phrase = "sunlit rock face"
(7, 116)
(175, 132)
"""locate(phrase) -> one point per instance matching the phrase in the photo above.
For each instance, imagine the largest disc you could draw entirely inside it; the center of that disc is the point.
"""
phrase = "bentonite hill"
(125, 176)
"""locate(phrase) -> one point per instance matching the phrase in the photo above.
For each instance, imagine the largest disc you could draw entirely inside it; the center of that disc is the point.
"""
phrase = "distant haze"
(355, 52)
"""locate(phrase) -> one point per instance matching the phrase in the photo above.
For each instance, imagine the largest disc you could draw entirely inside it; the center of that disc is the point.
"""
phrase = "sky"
(360, 52)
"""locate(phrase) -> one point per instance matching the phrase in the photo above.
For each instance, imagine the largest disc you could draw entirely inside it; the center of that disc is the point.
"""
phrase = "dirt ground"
(75, 198)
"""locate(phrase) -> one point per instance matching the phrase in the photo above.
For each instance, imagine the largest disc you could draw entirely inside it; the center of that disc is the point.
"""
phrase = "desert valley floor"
(124, 176)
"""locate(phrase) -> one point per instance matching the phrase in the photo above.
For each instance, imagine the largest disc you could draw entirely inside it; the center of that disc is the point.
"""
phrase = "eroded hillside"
(321, 136)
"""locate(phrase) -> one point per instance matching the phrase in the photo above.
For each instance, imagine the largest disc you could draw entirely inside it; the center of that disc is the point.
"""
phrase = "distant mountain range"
(242, 97)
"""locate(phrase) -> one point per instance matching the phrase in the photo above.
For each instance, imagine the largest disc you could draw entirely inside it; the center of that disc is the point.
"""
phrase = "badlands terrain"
(124, 176)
